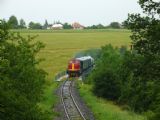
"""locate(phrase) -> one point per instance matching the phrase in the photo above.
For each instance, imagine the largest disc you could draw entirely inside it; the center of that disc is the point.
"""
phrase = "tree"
(21, 82)
(100, 26)
(93, 27)
(33, 25)
(45, 26)
(105, 76)
(115, 25)
(146, 42)
(67, 26)
(22, 24)
(13, 22)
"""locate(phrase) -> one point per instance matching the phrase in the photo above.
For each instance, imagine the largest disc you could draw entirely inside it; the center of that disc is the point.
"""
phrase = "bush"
(105, 75)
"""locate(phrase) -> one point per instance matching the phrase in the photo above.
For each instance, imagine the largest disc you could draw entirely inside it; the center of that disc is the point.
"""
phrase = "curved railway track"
(72, 111)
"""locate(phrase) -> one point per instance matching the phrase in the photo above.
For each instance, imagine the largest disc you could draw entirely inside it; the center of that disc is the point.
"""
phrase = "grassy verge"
(49, 100)
(103, 109)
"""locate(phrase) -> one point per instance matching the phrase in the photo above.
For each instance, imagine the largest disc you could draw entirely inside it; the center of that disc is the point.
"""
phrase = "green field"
(60, 46)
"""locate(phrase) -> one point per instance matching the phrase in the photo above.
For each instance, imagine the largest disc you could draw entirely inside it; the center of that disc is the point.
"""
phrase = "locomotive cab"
(74, 68)
(78, 66)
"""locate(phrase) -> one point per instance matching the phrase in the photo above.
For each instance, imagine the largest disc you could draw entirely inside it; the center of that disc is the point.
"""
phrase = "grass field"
(63, 45)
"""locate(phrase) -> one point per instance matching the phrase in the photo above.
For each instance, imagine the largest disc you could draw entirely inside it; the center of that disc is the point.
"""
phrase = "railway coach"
(78, 66)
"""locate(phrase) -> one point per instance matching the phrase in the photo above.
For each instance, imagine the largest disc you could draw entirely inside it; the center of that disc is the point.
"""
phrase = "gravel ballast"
(81, 104)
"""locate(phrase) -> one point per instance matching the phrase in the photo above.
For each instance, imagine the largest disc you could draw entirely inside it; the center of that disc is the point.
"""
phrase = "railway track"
(72, 111)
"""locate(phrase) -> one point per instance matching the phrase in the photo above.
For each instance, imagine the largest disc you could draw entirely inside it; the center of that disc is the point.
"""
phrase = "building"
(57, 26)
(76, 25)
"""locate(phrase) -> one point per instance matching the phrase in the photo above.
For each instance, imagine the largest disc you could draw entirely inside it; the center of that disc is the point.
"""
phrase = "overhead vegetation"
(21, 82)
(132, 77)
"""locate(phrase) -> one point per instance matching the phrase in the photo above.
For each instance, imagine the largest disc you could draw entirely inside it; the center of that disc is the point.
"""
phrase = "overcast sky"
(87, 12)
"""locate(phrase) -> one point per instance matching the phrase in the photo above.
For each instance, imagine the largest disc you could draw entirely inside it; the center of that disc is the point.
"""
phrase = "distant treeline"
(114, 25)
(132, 77)
(21, 24)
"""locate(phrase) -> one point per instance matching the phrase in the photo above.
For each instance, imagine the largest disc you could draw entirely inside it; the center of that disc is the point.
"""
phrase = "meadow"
(62, 45)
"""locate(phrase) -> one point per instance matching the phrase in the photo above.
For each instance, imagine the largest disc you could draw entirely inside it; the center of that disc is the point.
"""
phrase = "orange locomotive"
(77, 66)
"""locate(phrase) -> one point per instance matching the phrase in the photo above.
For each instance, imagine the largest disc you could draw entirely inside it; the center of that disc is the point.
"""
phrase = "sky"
(86, 12)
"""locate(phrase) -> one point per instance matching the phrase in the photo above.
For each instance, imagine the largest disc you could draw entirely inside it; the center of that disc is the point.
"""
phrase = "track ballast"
(72, 111)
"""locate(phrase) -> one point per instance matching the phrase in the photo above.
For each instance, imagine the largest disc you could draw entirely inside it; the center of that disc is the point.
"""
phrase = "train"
(78, 66)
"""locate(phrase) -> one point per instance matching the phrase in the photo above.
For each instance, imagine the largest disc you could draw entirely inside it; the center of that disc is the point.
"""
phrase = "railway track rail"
(72, 111)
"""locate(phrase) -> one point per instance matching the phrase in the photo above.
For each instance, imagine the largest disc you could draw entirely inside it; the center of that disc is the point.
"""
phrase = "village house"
(76, 25)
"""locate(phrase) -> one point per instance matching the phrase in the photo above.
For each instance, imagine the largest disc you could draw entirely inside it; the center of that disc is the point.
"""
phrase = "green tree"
(67, 26)
(93, 27)
(105, 76)
(21, 82)
(13, 22)
(45, 26)
(100, 26)
(33, 25)
(115, 25)
(146, 42)
(22, 24)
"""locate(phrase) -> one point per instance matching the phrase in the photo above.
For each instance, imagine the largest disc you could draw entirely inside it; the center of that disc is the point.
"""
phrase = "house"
(76, 25)
(57, 26)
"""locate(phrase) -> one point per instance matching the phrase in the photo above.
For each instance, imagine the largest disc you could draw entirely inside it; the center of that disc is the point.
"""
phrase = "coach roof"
(84, 58)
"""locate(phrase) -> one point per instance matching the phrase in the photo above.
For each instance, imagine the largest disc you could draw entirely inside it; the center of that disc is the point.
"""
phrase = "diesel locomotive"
(78, 66)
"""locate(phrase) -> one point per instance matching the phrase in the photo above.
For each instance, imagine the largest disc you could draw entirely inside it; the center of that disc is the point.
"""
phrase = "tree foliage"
(99, 26)
(146, 41)
(45, 26)
(33, 25)
(21, 82)
(13, 22)
(22, 24)
(67, 26)
(115, 25)
(105, 75)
